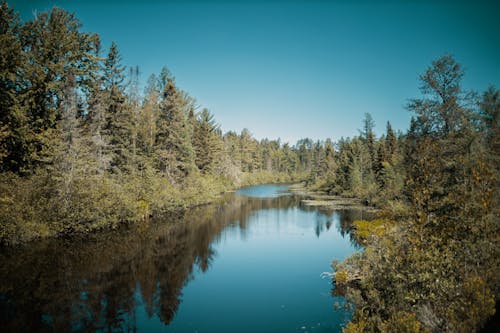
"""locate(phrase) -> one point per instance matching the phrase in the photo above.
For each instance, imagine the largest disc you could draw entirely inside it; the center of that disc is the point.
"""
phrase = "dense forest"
(431, 261)
(82, 149)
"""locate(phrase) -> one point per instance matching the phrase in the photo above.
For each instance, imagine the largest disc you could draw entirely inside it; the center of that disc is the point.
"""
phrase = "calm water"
(250, 263)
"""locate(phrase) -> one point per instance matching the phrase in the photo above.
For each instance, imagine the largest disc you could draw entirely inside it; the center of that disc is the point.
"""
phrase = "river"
(249, 263)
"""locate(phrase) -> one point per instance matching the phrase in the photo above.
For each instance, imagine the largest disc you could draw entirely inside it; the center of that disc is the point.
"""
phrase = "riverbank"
(157, 277)
(34, 208)
(403, 278)
(321, 199)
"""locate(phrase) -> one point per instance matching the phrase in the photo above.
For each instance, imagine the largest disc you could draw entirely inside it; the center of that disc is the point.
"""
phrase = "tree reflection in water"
(98, 282)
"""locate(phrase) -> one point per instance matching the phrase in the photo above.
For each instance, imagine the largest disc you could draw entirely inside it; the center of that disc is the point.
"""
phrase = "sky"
(296, 69)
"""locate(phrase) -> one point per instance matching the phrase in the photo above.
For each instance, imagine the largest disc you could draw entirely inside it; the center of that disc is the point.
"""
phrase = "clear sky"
(294, 69)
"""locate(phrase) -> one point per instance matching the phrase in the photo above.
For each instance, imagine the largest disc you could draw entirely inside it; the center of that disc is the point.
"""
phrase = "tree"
(441, 111)
(248, 151)
(173, 144)
(119, 124)
(447, 242)
(13, 123)
(369, 138)
(54, 48)
(206, 142)
(35, 64)
(489, 114)
(148, 114)
(304, 148)
(390, 140)
(440, 133)
(72, 160)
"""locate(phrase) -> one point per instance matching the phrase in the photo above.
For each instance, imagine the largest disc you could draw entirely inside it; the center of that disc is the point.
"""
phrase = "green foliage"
(436, 269)
(173, 147)
(79, 154)
(206, 142)
(363, 229)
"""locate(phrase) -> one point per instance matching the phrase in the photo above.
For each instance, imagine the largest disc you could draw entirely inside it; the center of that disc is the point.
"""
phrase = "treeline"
(431, 263)
(365, 166)
(82, 149)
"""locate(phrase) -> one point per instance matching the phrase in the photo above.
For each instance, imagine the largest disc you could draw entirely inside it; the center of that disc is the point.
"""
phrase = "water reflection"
(100, 283)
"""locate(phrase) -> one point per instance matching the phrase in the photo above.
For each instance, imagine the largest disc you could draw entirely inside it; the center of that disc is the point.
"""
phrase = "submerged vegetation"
(82, 150)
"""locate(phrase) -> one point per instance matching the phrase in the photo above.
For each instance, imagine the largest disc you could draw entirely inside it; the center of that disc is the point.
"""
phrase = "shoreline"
(315, 198)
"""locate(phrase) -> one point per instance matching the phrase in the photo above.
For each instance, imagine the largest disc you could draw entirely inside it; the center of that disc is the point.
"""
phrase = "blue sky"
(295, 69)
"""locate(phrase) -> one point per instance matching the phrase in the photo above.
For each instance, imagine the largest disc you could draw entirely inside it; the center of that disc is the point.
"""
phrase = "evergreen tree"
(440, 133)
(119, 124)
(369, 138)
(173, 145)
(305, 148)
(247, 147)
(343, 166)
(390, 140)
(72, 160)
(206, 142)
(148, 115)
(96, 128)
(291, 160)
(13, 122)
(55, 48)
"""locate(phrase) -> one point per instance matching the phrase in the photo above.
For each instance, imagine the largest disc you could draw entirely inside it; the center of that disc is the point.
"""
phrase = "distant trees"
(81, 150)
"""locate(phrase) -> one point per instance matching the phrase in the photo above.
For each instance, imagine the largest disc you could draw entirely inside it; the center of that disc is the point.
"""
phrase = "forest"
(82, 149)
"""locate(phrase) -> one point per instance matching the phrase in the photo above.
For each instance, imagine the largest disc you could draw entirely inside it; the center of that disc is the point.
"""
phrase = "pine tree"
(248, 151)
(291, 161)
(343, 166)
(304, 148)
(390, 140)
(440, 133)
(55, 48)
(206, 142)
(96, 124)
(147, 118)
(119, 124)
(13, 126)
(173, 146)
(72, 160)
(369, 139)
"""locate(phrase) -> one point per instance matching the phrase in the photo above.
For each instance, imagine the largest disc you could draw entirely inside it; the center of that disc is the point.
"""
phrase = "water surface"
(251, 263)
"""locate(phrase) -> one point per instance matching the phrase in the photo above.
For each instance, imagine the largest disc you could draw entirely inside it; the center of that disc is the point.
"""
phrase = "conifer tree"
(439, 134)
(119, 124)
(247, 148)
(369, 138)
(390, 140)
(35, 62)
(173, 146)
(147, 118)
(55, 48)
(13, 126)
(205, 141)
(291, 160)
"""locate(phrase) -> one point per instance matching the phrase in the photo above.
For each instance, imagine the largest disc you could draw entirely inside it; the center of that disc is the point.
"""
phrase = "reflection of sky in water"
(264, 191)
(266, 277)
(246, 265)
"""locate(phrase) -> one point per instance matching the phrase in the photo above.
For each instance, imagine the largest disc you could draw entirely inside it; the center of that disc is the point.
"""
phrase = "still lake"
(249, 263)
